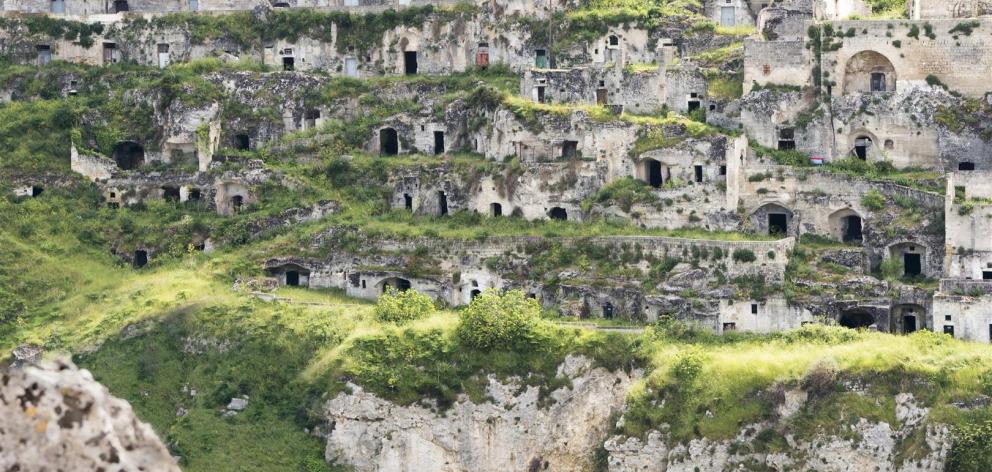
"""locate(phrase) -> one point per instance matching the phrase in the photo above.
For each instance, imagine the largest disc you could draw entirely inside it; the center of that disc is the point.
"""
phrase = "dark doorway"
(966, 166)
(699, 173)
(241, 142)
(128, 155)
(908, 324)
(861, 147)
(986, 275)
(786, 139)
(293, 278)
(654, 173)
(407, 201)
(693, 105)
(389, 144)
(558, 213)
(237, 202)
(496, 209)
(540, 94)
(194, 195)
(170, 194)
(120, 6)
(140, 258)
(442, 204)
(877, 82)
(608, 311)
(402, 285)
(410, 62)
(778, 223)
(475, 293)
(569, 149)
(310, 118)
(852, 229)
(948, 329)
(856, 320)
(36, 190)
(601, 95)
(288, 63)
(439, 142)
(913, 264)
(729, 327)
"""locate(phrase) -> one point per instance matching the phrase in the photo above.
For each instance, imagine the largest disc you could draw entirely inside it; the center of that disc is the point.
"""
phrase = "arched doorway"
(128, 155)
(846, 226)
(495, 209)
(558, 213)
(773, 219)
(398, 283)
(869, 72)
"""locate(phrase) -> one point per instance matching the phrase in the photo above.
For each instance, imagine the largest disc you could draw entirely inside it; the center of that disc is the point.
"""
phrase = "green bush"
(399, 307)
(972, 450)
(873, 200)
(495, 320)
(744, 255)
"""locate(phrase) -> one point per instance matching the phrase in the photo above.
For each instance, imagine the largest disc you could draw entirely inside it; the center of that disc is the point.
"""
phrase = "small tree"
(495, 319)
(399, 307)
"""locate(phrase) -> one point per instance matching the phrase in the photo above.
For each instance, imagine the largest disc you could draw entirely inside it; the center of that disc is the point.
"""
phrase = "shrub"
(972, 449)
(873, 200)
(688, 365)
(744, 255)
(498, 320)
(399, 307)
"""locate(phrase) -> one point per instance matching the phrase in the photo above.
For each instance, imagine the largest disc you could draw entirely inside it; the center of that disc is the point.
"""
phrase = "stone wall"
(960, 61)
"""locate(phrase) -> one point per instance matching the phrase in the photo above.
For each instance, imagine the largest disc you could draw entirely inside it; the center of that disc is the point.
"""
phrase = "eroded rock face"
(56, 417)
(513, 432)
(867, 446)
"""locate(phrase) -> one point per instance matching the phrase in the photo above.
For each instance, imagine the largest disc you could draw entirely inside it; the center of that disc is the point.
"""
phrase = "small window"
(614, 41)
(786, 139)
(729, 327)
(967, 166)
(754, 308)
(947, 317)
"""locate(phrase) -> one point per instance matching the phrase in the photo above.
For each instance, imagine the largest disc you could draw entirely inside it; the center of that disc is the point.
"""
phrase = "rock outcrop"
(56, 417)
(512, 432)
(865, 445)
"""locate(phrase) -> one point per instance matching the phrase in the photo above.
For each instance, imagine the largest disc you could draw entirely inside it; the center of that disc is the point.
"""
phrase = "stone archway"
(869, 72)
(846, 226)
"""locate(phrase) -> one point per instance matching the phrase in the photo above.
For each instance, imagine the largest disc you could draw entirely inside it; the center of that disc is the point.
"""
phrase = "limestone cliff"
(512, 432)
(56, 417)
(866, 445)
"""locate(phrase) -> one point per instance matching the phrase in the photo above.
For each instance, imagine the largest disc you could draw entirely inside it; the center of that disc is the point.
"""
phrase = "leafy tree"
(495, 319)
(399, 307)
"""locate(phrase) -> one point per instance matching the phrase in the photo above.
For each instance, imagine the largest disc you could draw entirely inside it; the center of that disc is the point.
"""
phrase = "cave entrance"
(410, 62)
(856, 319)
(442, 203)
(558, 213)
(778, 223)
(608, 311)
(400, 284)
(852, 229)
(128, 155)
(495, 209)
(439, 142)
(140, 258)
(653, 171)
(913, 264)
(908, 323)
(388, 142)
